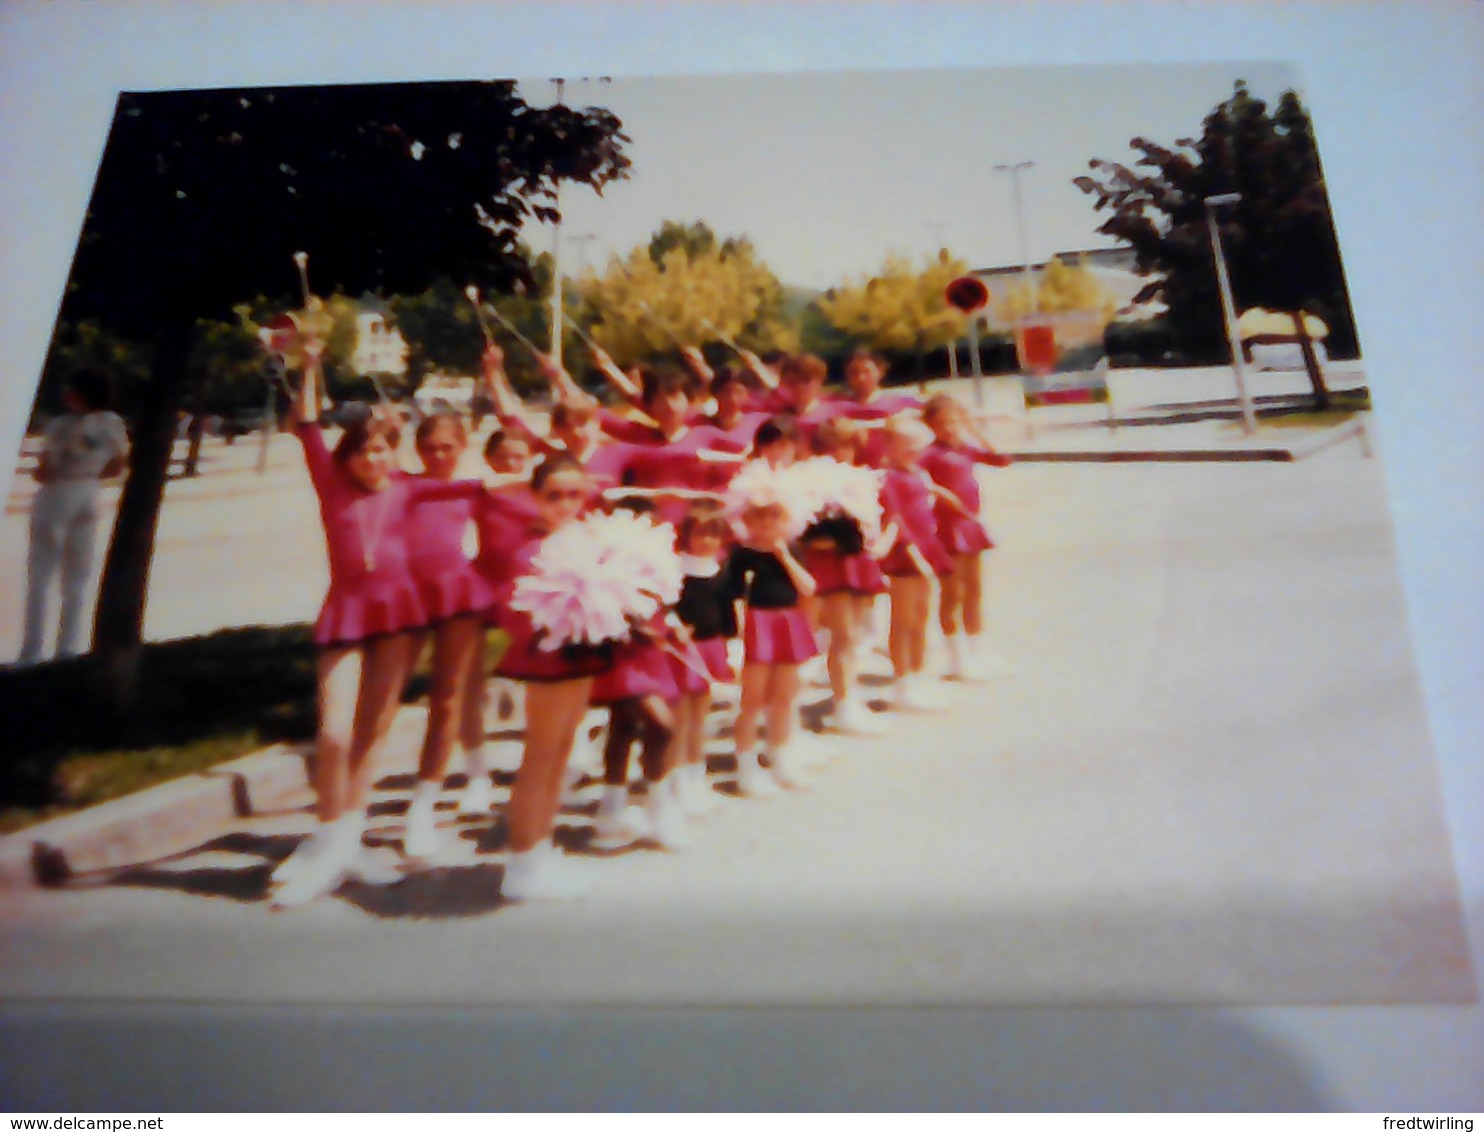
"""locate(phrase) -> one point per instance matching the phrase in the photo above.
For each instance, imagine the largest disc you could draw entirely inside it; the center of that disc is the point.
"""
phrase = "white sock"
(955, 653)
(475, 763)
(615, 799)
(425, 795)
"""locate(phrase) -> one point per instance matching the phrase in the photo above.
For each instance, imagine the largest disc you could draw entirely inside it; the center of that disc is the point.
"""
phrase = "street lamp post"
(1025, 245)
(1229, 307)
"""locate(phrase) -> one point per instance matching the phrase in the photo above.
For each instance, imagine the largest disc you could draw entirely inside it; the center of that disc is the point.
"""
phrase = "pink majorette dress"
(446, 578)
(953, 467)
(372, 588)
(641, 667)
(881, 405)
(907, 500)
(835, 573)
(524, 659)
(775, 630)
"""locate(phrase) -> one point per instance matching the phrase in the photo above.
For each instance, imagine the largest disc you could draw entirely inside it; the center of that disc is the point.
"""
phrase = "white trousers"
(64, 523)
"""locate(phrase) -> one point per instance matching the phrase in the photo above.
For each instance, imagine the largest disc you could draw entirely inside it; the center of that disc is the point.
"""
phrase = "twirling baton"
(587, 341)
(301, 260)
(724, 339)
(471, 293)
(519, 337)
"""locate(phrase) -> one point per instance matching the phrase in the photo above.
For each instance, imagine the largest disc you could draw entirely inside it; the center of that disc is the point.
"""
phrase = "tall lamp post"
(1229, 307)
(1025, 246)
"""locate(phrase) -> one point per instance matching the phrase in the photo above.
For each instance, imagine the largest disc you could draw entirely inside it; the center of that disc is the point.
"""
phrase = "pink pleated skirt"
(898, 563)
(778, 636)
(526, 660)
(962, 534)
(640, 668)
(708, 656)
(850, 573)
(450, 588)
(371, 606)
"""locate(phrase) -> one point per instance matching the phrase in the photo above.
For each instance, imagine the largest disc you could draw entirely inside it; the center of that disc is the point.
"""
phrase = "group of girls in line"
(400, 579)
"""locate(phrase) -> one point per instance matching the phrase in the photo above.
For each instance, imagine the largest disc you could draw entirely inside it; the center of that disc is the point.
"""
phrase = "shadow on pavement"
(430, 894)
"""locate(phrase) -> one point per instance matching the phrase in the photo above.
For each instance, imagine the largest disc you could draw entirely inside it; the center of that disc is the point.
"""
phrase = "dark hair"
(638, 504)
(499, 437)
(783, 426)
(861, 354)
(431, 423)
(657, 383)
(704, 517)
(554, 464)
(567, 414)
(726, 377)
(359, 433)
(94, 386)
(834, 433)
(803, 368)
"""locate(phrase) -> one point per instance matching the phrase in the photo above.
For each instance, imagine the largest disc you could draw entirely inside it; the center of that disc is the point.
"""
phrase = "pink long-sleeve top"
(907, 500)
(368, 537)
(952, 466)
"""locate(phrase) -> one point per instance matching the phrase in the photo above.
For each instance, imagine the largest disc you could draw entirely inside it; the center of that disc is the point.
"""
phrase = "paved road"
(1210, 781)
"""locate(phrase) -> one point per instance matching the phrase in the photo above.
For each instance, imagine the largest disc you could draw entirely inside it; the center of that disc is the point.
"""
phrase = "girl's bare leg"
(553, 709)
(837, 614)
(338, 686)
(388, 663)
(970, 573)
(456, 646)
(921, 601)
(754, 701)
(782, 693)
(899, 632)
(951, 600)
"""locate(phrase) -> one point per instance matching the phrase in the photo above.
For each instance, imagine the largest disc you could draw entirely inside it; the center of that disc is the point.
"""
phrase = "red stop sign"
(281, 336)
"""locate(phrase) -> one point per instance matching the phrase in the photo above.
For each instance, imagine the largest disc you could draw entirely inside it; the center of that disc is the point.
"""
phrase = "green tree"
(203, 197)
(1279, 240)
(900, 308)
(685, 287)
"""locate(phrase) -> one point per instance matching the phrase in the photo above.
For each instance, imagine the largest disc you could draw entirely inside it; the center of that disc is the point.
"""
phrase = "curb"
(164, 819)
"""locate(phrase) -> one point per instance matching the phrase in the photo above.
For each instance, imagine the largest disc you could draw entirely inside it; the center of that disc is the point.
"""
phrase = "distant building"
(379, 348)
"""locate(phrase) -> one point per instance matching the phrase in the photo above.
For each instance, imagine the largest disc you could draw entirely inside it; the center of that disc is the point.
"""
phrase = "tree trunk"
(1311, 363)
(118, 625)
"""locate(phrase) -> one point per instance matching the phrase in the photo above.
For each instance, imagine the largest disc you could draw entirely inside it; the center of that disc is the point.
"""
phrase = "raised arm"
(695, 361)
(561, 381)
(621, 381)
(764, 373)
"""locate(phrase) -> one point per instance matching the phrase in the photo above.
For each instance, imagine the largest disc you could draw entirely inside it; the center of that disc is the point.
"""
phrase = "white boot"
(752, 780)
(479, 795)
(618, 824)
(693, 789)
(786, 766)
(542, 873)
(667, 824)
(420, 841)
(329, 854)
(851, 717)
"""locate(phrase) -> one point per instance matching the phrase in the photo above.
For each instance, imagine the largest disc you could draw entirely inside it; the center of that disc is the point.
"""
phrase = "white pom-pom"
(594, 579)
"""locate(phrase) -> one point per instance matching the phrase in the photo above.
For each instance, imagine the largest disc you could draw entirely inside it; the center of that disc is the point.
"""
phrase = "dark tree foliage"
(1279, 240)
(202, 198)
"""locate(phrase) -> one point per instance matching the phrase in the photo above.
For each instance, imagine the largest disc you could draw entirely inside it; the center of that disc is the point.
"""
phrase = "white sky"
(827, 173)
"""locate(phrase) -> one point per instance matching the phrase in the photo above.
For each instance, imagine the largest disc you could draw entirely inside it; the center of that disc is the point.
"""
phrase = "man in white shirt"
(84, 446)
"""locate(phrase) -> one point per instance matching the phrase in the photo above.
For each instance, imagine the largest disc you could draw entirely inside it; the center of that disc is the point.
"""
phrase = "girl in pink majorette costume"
(916, 558)
(557, 682)
(840, 553)
(708, 610)
(457, 600)
(368, 630)
(956, 451)
(777, 635)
